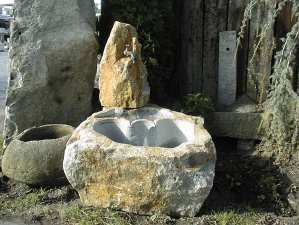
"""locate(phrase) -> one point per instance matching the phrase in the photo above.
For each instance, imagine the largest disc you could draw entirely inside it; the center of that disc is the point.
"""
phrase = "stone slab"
(227, 77)
(234, 125)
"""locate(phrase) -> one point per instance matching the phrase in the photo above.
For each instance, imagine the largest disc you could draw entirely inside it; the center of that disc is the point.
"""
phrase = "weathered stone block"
(235, 125)
(53, 64)
(123, 76)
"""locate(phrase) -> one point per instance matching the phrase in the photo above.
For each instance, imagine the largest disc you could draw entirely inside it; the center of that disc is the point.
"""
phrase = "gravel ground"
(4, 73)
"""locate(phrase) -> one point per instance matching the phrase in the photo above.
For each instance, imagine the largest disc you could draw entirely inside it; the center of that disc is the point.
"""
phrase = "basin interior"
(46, 132)
(166, 133)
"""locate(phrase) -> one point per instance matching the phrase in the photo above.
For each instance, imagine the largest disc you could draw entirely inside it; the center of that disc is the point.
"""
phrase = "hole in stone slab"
(164, 133)
(46, 132)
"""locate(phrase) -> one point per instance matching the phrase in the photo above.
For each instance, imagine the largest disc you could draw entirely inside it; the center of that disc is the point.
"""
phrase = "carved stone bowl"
(147, 160)
(35, 157)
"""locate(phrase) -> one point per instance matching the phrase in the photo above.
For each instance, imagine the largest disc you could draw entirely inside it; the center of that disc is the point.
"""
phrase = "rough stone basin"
(148, 160)
(35, 157)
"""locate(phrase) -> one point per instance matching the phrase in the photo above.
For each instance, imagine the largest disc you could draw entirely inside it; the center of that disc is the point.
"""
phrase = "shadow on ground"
(245, 180)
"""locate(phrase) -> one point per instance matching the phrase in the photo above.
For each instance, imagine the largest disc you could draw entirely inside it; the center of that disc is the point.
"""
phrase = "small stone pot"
(35, 157)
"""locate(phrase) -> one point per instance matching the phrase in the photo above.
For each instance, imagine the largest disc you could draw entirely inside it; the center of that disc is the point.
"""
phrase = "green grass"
(32, 206)
(233, 217)
(74, 214)
(18, 205)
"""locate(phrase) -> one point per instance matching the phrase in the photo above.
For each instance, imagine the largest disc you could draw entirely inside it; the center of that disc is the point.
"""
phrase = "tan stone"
(123, 76)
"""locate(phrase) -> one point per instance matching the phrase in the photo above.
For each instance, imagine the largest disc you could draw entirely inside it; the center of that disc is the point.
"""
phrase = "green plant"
(281, 117)
(281, 108)
(197, 104)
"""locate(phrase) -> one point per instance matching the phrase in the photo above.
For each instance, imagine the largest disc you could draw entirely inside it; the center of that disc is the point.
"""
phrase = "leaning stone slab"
(123, 76)
(149, 160)
(53, 64)
(227, 76)
(35, 157)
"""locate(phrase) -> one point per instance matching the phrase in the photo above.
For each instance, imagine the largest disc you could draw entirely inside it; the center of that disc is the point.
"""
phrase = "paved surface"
(10, 223)
(4, 73)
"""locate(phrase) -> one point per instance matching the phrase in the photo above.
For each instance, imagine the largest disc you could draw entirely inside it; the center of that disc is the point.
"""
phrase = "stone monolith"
(123, 76)
(53, 64)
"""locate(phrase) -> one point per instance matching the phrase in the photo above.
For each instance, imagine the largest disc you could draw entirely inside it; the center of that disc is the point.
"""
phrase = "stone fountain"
(134, 157)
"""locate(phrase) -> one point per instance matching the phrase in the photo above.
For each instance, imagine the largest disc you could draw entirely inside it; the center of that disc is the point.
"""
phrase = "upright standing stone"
(53, 64)
(123, 76)
(227, 78)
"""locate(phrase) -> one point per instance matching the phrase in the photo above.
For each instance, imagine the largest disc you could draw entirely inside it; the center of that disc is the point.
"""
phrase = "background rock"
(53, 64)
(123, 76)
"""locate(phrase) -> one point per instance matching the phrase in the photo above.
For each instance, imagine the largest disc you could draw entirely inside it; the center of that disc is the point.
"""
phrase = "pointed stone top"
(123, 75)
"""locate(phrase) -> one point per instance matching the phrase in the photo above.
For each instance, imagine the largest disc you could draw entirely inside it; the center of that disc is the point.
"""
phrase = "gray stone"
(35, 157)
(53, 64)
(235, 125)
(227, 78)
(243, 105)
(148, 160)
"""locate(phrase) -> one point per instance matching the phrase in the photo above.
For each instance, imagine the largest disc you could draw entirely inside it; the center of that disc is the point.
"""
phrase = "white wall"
(6, 2)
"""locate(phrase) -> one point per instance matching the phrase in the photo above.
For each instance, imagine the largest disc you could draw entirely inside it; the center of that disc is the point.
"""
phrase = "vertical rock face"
(53, 64)
(123, 76)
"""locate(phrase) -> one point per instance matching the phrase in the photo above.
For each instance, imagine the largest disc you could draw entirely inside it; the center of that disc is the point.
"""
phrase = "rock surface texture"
(53, 64)
(123, 76)
(292, 172)
(148, 160)
(35, 157)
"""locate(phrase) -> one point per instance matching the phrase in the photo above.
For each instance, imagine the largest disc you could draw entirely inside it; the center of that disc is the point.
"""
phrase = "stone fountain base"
(148, 160)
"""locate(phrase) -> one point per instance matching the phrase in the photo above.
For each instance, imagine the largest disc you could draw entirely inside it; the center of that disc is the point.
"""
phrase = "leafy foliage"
(198, 104)
(281, 119)
(281, 109)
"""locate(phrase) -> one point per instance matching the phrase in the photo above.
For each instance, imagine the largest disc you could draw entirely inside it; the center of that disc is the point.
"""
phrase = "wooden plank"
(284, 23)
(236, 11)
(209, 49)
(215, 16)
(191, 44)
(222, 13)
(227, 78)
(261, 44)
